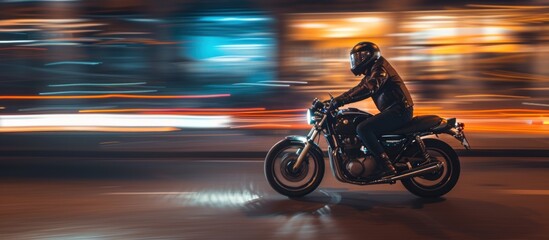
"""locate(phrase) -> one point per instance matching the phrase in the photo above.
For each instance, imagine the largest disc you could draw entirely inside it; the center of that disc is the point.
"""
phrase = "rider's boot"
(389, 168)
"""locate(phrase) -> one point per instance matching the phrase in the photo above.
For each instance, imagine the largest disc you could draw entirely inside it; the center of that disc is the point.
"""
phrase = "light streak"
(113, 120)
(122, 33)
(69, 39)
(532, 89)
(233, 19)
(77, 31)
(20, 21)
(505, 6)
(491, 95)
(242, 46)
(74, 25)
(288, 82)
(261, 84)
(20, 30)
(535, 104)
(281, 111)
(272, 126)
(229, 59)
(53, 44)
(23, 48)
(148, 193)
(311, 25)
(17, 41)
(144, 20)
(364, 20)
(96, 84)
(56, 108)
(97, 92)
(137, 40)
(114, 96)
(215, 110)
(72, 63)
(15, 1)
(88, 129)
(517, 76)
(435, 17)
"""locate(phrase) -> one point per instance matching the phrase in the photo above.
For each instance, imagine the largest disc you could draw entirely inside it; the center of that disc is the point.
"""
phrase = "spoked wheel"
(435, 184)
(287, 181)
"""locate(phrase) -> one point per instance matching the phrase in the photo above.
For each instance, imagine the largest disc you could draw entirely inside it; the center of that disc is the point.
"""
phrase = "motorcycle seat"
(418, 124)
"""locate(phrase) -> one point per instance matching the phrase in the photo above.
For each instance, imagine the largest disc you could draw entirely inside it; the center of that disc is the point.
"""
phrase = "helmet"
(363, 56)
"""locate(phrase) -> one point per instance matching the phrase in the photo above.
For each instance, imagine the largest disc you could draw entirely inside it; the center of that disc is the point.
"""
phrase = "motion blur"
(235, 60)
(141, 119)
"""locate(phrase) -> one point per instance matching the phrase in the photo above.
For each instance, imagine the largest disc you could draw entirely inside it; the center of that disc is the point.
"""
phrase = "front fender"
(296, 138)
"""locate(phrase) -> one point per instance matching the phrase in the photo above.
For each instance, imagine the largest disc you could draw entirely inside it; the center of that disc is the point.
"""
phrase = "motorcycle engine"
(361, 167)
(357, 163)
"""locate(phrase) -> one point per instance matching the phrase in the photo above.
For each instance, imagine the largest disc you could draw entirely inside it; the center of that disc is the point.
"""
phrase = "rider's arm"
(367, 86)
(355, 94)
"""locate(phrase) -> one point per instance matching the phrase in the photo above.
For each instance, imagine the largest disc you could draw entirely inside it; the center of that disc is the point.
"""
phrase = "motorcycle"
(427, 167)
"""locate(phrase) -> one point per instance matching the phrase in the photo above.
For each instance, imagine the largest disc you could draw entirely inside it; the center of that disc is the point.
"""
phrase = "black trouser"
(390, 119)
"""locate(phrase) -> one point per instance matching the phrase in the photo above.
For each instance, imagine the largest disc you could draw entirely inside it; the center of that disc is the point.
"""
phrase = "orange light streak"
(274, 126)
(114, 96)
(491, 95)
(89, 129)
(516, 75)
(230, 113)
(506, 6)
(281, 111)
(170, 110)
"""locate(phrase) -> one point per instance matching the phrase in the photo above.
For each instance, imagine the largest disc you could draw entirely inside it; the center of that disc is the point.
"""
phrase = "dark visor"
(358, 57)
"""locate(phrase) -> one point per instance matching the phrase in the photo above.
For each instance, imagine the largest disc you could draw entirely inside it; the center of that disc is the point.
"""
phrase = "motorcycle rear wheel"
(434, 185)
(286, 181)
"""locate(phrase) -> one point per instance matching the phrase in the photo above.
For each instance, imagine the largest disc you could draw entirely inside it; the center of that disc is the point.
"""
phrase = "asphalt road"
(87, 198)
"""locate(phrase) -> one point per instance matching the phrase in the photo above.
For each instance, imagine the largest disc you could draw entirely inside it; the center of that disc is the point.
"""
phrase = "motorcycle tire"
(449, 176)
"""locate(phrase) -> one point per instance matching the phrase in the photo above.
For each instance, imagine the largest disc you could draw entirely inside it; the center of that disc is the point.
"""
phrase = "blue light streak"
(233, 19)
(72, 63)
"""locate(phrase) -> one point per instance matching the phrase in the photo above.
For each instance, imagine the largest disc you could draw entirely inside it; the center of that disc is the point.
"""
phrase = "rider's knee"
(364, 127)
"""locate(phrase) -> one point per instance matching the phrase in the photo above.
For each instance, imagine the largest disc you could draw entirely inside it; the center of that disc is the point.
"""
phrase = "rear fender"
(451, 127)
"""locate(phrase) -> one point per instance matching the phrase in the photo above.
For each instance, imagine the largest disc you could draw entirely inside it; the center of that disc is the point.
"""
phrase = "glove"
(331, 104)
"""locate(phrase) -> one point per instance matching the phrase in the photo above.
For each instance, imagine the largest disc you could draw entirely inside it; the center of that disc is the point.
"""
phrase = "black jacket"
(383, 84)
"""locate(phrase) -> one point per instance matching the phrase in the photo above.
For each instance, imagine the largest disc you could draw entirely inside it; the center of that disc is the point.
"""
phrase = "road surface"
(146, 198)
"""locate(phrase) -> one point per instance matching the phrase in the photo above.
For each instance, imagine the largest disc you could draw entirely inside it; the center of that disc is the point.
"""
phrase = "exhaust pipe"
(431, 167)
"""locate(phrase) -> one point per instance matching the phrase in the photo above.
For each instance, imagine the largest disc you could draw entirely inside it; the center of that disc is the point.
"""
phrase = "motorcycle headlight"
(310, 118)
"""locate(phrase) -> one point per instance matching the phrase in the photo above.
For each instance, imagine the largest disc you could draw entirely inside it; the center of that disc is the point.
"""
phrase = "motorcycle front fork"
(309, 142)
(303, 152)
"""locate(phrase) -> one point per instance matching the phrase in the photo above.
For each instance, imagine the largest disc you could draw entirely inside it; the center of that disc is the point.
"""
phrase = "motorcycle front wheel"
(436, 184)
(287, 181)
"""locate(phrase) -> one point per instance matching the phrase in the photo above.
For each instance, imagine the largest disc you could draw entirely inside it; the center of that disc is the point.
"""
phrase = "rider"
(382, 83)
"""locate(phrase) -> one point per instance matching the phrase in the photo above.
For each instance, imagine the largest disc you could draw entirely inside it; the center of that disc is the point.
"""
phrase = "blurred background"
(172, 65)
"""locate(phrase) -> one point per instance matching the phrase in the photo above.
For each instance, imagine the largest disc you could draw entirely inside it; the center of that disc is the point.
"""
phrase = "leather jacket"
(383, 84)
